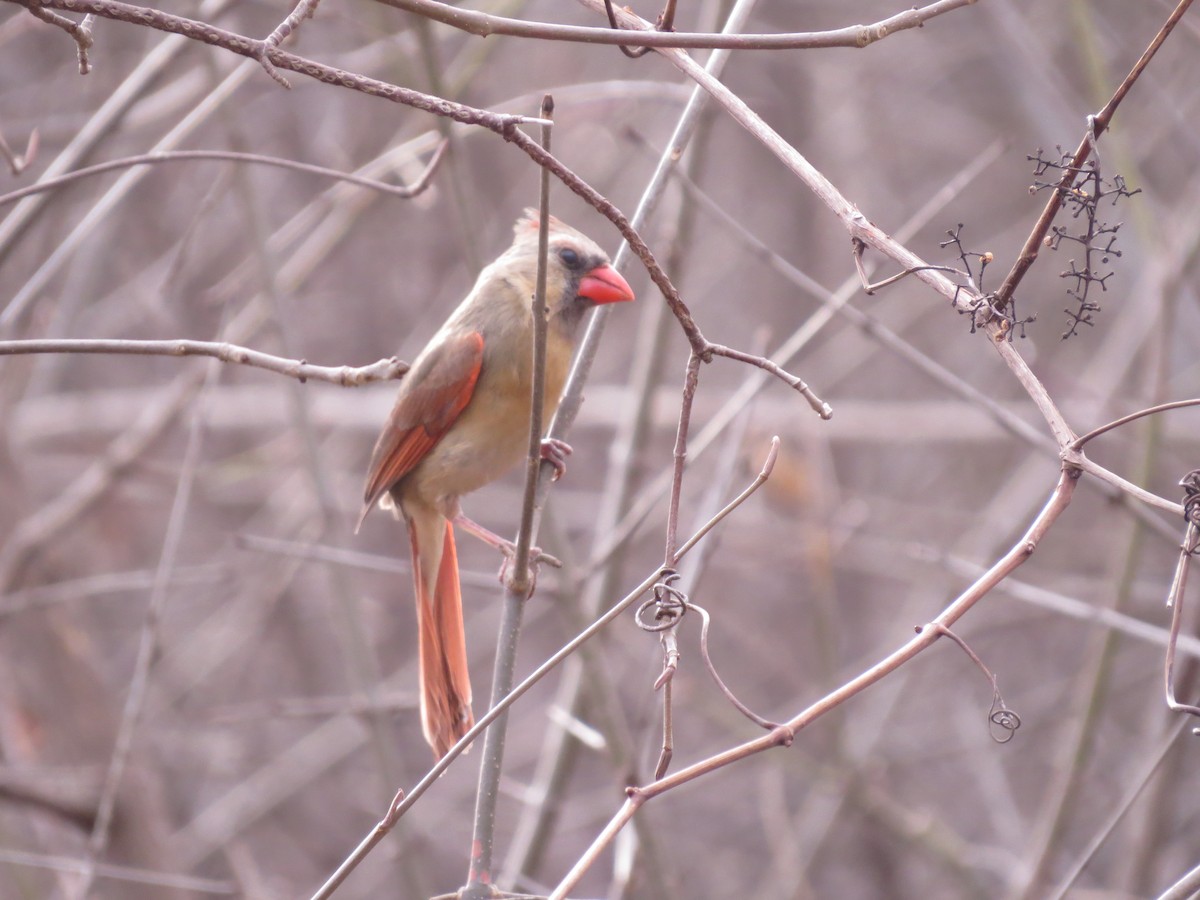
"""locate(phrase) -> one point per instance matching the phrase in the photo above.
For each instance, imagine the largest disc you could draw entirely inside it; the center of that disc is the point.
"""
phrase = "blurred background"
(204, 512)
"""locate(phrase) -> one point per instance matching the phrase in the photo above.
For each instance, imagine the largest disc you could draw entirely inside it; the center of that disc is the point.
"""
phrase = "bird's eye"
(569, 256)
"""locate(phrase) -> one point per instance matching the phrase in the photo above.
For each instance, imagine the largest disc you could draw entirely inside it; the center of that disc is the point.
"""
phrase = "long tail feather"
(445, 682)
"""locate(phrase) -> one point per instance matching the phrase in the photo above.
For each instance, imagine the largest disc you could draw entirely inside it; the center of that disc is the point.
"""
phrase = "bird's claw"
(536, 557)
(556, 452)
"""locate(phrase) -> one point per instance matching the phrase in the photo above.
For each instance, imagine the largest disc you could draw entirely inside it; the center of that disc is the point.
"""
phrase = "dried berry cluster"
(1081, 194)
(988, 301)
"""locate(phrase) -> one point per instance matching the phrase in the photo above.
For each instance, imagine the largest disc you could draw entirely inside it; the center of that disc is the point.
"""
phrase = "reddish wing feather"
(424, 412)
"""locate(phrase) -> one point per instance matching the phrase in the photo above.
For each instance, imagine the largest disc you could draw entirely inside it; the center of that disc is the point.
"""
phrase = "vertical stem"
(522, 581)
(556, 762)
(690, 381)
(519, 584)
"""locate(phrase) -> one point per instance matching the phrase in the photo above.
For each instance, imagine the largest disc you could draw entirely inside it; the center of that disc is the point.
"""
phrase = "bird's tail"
(445, 682)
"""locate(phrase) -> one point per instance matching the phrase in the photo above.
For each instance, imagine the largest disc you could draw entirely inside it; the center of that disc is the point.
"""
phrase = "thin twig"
(1125, 420)
(764, 473)
(35, 286)
(80, 32)
(149, 642)
(855, 36)
(569, 649)
(1137, 784)
(705, 621)
(631, 52)
(1189, 548)
(519, 582)
(346, 376)
(999, 715)
(690, 382)
(832, 304)
(18, 162)
(402, 191)
(167, 881)
(713, 512)
(1185, 888)
(147, 74)
(819, 406)
(869, 287)
(304, 10)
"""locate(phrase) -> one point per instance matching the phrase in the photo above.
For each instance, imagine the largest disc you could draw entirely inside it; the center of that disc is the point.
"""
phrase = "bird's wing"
(424, 411)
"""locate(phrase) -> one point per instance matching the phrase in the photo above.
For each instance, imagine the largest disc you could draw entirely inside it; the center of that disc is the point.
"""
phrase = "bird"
(461, 419)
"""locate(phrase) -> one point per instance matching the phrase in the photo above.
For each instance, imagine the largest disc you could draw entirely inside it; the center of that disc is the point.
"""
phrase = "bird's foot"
(507, 548)
(556, 452)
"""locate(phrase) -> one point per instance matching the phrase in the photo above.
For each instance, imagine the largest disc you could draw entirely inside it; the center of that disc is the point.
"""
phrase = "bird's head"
(579, 274)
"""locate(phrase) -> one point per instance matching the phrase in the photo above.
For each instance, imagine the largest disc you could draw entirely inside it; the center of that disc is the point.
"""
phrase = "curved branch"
(1125, 420)
(403, 191)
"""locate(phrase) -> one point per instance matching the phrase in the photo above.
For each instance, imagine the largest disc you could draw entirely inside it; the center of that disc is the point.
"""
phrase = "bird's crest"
(531, 220)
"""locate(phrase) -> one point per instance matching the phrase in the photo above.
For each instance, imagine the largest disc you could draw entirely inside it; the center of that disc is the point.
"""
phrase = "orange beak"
(604, 284)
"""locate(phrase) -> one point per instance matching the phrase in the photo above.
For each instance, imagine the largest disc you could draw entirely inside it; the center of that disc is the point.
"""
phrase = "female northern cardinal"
(462, 418)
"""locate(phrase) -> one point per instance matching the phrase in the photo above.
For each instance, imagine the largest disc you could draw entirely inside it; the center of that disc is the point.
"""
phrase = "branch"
(1125, 420)
(855, 36)
(1097, 125)
(403, 191)
(252, 49)
(346, 376)
(80, 32)
(19, 162)
(501, 124)
(785, 734)
(305, 9)
(519, 584)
